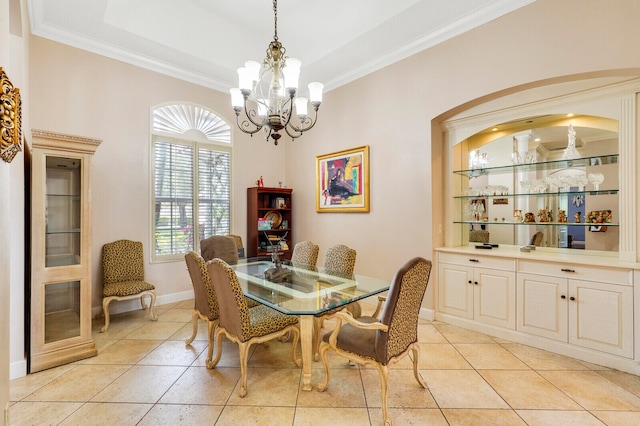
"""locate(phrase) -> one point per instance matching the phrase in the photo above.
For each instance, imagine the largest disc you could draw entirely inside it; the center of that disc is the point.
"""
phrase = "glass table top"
(302, 289)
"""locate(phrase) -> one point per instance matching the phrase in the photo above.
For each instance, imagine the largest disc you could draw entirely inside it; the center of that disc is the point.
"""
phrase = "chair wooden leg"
(244, 359)
(153, 316)
(415, 348)
(213, 363)
(105, 309)
(194, 321)
(324, 349)
(211, 327)
(142, 302)
(317, 329)
(384, 390)
(294, 345)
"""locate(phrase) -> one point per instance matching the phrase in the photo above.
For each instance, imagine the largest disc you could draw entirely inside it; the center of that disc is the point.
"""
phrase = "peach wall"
(81, 93)
(393, 111)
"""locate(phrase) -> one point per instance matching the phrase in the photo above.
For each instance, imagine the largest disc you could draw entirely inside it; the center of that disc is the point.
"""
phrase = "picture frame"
(342, 181)
(10, 119)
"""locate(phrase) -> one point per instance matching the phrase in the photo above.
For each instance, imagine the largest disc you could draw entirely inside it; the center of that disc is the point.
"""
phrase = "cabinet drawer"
(479, 261)
(578, 272)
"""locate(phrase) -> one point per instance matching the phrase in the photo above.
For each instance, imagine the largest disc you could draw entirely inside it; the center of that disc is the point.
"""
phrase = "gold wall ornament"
(10, 119)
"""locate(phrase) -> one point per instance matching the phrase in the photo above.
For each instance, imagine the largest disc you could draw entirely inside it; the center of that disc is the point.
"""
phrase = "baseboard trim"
(18, 369)
(593, 356)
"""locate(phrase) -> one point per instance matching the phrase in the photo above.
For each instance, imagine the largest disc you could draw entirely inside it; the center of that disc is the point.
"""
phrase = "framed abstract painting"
(342, 181)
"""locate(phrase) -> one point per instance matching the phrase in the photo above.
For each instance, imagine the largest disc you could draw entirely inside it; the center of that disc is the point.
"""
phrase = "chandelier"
(267, 94)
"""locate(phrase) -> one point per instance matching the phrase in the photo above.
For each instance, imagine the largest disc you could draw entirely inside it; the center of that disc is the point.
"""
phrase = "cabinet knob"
(475, 282)
(474, 260)
(572, 298)
(469, 281)
(563, 297)
(567, 270)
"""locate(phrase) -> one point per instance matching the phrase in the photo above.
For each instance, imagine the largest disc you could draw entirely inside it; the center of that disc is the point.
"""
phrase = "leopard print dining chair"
(223, 247)
(205, 302)
(338, 260)
(381, 342)
(220, 246)
(123, 277)
(305, 253)
(239, 245)
(243, 325)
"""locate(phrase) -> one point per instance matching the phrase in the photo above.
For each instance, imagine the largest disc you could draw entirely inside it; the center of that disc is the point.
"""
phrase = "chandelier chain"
(275, 20)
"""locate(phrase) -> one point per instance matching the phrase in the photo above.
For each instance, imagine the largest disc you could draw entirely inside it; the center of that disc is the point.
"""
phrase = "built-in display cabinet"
(61, 250)
(540, 222)
(556, 202)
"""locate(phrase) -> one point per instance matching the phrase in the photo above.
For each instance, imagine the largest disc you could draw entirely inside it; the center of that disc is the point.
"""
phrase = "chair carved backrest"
(306, 253)
(402, 308)
(122, 260)
(234, 312)
(340, 259)
(220, 246)
(205, 298)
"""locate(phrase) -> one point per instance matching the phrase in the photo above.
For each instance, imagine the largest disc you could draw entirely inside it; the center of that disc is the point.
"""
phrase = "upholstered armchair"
(383, 341)
(123, 277)
(205, 302)
(305, 253)
(243, 325)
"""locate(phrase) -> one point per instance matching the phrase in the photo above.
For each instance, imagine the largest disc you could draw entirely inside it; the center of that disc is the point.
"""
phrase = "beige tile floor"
(144, 374)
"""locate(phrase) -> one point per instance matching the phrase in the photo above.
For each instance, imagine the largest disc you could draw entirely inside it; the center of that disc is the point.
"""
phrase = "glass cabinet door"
(63, 204)
(61, 311)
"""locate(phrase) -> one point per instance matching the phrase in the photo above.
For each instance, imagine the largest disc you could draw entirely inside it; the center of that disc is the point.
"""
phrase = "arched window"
(191, 170)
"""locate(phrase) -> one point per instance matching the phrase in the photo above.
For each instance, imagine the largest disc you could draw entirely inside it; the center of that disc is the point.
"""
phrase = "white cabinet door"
(494, 297)
(455, 290)
(542, 306)
(601, 317)
(484, 295)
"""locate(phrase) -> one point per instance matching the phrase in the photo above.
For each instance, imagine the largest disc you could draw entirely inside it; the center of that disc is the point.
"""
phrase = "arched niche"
(609, 107)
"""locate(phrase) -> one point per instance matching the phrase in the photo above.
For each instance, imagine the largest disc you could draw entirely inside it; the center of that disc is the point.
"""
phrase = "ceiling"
(205, 41)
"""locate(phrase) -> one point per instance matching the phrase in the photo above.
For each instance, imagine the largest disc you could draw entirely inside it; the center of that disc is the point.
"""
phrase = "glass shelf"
(475, 222)
(544, 165)
(63, 231)
(70, 196)
(539, 194)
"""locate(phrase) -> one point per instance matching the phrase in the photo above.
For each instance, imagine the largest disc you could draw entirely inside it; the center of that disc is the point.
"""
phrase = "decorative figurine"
(562, 216)
(517, 216)
(577, 217)
(529, 217)
(542, 215)
(571, 152)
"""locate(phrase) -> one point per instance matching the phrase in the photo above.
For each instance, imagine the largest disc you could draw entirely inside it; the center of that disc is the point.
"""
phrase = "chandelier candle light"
(267, 93)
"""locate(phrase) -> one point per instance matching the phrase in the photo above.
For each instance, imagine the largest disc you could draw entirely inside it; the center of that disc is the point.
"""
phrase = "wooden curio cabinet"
(60, 330)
